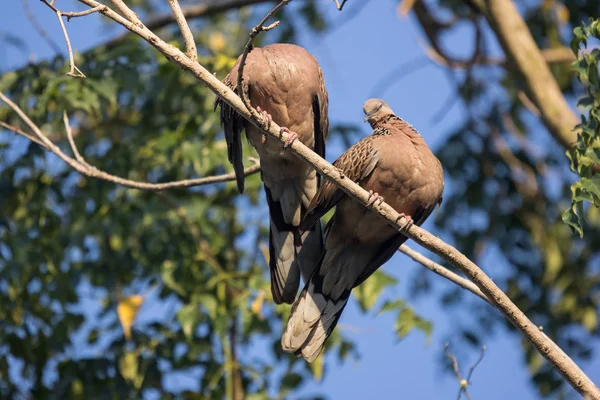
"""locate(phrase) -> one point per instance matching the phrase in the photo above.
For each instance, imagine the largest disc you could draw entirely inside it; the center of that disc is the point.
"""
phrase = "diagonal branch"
(188, 37)
(522, 51)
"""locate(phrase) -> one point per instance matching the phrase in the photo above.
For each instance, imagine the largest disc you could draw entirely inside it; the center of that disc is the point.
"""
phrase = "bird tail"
(312, 319)
(292, 254)
(285, 272)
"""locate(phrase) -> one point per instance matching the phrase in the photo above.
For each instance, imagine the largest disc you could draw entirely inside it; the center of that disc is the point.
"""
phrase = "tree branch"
(188, 37)
(562, 363)
(81, 166)
(204, 9)
(522, 51)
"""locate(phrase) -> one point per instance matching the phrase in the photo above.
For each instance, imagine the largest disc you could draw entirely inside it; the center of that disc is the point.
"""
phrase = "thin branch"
(71, 140)
(464, 382)
(443, 272)
(74, 71)
(340, 5)
(21, 132)
(81, 166)
(188, 37)
(74, 14)
(562, 363)
(127, 12)
(204, 9)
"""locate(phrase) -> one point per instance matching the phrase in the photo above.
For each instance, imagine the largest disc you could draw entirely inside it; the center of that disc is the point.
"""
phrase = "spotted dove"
(393, 163)
(286, 84)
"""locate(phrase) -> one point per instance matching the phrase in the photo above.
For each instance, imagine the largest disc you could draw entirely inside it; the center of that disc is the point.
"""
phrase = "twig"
(127, 12)
(340, 6)
(188, 37)
(443, 272)
(71, 141)
(74, 71)
(204, 9)
(253, 33)
(21, 132)
(80, 165)
(73, 14)
(562, 363)
(462, 381)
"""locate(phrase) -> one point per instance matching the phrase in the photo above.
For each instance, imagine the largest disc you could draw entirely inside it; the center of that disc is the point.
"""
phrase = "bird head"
(375, 110)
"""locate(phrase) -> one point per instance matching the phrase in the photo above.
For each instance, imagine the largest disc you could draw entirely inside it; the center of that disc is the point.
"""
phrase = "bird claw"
(292, 136)
(265, 117)
(374, 197)
(409, 221)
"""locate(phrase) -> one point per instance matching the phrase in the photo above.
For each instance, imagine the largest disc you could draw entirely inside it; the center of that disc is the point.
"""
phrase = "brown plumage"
(394, 162)
(286, 82)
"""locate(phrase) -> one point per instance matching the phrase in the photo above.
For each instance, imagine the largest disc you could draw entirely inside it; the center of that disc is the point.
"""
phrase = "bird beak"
(367, 118)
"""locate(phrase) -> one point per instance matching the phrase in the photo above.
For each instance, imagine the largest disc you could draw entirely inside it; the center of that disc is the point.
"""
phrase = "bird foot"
(409, 221)
(266, 120)
(374, 197)
(292, 136)
(265, 117)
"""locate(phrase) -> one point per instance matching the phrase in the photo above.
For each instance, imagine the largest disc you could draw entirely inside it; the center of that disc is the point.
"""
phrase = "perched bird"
(285, 83)
(394, 162)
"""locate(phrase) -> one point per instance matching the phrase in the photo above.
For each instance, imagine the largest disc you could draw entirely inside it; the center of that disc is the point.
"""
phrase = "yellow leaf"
(128, 365)
(405, 6)
(216, 42)
(257, 304)
(590, 319)
(317, 367)
(127, 310)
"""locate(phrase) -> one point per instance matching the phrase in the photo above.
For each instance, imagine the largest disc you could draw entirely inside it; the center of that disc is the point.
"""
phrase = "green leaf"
(188, 318)
(370, 290)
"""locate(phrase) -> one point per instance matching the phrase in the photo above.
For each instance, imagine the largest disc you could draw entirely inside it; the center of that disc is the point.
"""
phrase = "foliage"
(585, 155)
(507, 181)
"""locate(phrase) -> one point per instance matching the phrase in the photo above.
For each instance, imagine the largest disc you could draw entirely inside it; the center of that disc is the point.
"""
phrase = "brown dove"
(394, 162)
(285, 83)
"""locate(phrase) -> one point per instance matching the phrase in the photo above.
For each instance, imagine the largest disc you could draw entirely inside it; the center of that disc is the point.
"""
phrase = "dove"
(394, 164)
(285, 83)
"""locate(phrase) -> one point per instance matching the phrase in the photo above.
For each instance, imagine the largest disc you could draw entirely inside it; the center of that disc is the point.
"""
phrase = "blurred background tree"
(196, 257)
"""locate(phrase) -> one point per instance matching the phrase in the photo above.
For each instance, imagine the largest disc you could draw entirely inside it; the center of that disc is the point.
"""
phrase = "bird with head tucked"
(285, 83)
(394, 164)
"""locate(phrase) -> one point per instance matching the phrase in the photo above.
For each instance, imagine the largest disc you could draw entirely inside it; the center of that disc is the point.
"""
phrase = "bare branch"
(73, 14)
(21, 132)
(443, 272)
(74, 71)
(340, 5)
(188, 37)
(462, 381)
(255, 31)
(520, 48)
(204, 9)
(127, 12)
(81, 166)
(71, 141)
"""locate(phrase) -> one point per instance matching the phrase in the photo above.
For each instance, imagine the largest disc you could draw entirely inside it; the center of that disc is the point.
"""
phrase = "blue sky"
(355, 57)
